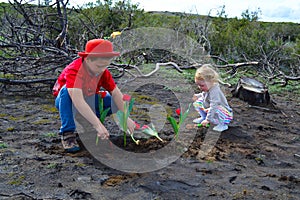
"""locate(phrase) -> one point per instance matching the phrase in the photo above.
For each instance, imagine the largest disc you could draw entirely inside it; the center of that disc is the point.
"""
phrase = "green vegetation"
(51, 165)
(41, 121)
(80, 164)
(10, 129)
(293, 87)
(17, 181)
(50, 109)
(3, 145)
(3, 115)
(276, 46)
(50, 135)
(2, 75)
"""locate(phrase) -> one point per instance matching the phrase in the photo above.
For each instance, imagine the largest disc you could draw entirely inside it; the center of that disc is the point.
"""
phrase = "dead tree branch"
(122, 68)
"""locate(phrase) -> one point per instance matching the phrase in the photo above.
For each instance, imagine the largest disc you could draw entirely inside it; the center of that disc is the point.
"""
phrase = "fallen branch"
(237, 65)
(124, 68)
(263, 108)
(157, 68)
(268, 109)
(20, 194)
(16, 82)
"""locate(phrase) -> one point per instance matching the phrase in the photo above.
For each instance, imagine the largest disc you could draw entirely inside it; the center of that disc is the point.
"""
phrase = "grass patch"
(6, 75)
(3, 115)
(49, 109)
(41, 122)
(168, 71)
(51, 166)
(189, 75)
(10, 129)
(50, 135)
(80, 164)
(3, 145)
(18, 181)
(11, 118)
(292, 87)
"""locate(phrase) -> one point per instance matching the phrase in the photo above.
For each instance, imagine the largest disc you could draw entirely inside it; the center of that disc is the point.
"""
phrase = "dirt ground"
(256, 158)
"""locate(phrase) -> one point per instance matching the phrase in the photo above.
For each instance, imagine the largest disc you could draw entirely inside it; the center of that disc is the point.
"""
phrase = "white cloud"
(287, 11)
(272, 10)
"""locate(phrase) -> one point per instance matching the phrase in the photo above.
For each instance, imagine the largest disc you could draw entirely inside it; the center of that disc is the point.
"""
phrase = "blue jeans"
(67, 110)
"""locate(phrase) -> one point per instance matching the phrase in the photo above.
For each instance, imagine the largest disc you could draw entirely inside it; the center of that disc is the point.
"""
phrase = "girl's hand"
(195, 97)
(206, 110)
(205, 122)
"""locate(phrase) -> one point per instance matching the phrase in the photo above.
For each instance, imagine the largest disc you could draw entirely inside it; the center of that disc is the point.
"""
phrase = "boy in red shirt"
(76, 91)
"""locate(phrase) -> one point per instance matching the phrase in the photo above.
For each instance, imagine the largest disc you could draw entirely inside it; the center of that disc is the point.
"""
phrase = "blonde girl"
(211, 103)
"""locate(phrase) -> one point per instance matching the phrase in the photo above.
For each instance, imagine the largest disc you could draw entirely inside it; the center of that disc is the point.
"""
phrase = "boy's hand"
(102, 132)
(131, 125)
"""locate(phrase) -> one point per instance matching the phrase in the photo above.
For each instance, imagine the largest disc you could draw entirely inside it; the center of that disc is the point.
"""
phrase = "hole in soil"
(153, 102)
(145, 145)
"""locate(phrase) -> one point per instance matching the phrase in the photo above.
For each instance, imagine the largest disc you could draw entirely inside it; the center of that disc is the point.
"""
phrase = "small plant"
(41, 122)
(50, 135)
(151, 131)
(260, 159)
(51, 166)
(103, 112)
(182, 117)
(50, 109)
(209, 161)
(3, 145)
(123, 116)
(10, 129)
(137, 126)
(80, 164)
(18, 181)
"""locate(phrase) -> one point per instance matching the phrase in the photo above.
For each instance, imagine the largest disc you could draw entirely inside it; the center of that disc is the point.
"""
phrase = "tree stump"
(251, 91)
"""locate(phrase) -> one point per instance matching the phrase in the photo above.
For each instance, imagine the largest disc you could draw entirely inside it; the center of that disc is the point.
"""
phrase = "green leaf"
(148, 131)
(128, 108)
(184, 116)
(124, 138)
(100, 103)
(174, 124)
(122, 122)
(104, 114)
(131, 105)
(120, 117)
(152, 132)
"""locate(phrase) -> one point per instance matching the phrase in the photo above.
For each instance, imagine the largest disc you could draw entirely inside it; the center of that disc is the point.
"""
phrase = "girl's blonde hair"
(207, 73)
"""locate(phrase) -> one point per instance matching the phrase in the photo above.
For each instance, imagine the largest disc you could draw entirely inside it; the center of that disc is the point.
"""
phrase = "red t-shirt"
(75, 75)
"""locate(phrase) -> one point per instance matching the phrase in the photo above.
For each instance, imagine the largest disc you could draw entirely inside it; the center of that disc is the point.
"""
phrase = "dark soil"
(256, 158)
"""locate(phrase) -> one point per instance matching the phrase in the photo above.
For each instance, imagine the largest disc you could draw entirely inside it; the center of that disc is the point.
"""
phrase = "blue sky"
(271, 10)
